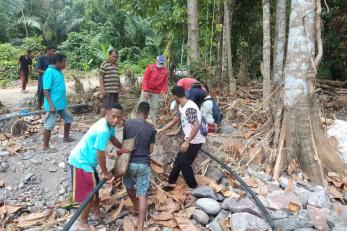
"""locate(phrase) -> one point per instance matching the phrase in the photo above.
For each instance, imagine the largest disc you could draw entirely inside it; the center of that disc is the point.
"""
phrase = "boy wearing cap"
(154, 85)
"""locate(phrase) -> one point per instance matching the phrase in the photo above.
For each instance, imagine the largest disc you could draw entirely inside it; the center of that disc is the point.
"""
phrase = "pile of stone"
(304, 207)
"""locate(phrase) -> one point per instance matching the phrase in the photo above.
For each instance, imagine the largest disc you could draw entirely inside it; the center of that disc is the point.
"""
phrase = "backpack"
(216, 112)
(203, 126)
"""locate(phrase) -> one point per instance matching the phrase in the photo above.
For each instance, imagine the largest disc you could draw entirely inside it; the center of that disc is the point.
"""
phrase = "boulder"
(291, 223)
(204, 192)
(215, 173)
(208, 205)
(200, 216)
(241, 205)
(247, 221)
(319, 199)
(215, 224)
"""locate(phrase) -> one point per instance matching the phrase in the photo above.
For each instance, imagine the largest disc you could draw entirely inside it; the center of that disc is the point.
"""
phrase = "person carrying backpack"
(211, 112)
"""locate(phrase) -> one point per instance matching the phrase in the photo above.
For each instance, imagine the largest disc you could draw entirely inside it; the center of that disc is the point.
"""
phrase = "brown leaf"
(2, 137)
(335, 193)
(262, 190)
(116, 213)
(225, 224)
(26, 221)
(168, 223)
(268, 169)
(128, 203)
(156, 167)
(160, 197)
(2, 183)
(185, 224)
(250, 182)
(190, 211)
(230, 194)
(162, 216)
(8, 210)
(248, 134)
(129, 223)
(292, 166)
(293, 207)
(290, 185)
(203, 180)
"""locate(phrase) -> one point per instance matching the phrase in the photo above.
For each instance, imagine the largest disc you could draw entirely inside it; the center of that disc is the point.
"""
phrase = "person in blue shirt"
(40, 67)
(55, 101)
(90, 152)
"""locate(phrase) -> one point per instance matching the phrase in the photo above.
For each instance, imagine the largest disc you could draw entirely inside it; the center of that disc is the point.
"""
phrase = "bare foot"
(85, 227)
(49, 149)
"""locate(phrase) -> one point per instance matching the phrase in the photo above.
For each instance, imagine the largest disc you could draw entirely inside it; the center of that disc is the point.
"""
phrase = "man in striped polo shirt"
(109, 81)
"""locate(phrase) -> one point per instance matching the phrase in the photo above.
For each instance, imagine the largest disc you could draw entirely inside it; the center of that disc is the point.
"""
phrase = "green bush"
(9, 56)
(33, 43)
(81, 51)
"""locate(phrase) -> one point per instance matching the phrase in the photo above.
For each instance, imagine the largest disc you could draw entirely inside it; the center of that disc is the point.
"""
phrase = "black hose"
(83, 205)
(18, 115)
(245, 186)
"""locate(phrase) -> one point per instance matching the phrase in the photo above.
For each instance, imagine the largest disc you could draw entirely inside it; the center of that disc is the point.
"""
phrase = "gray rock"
(4, 153)
(227, 128)
(339, 229)
(21, 185)
(303, 198)
(224, 181)
(28, 176)
(304, 215)
(345, 195)
(305, 229)
(61, 212)
(241, 205)
(208, 205)
(291, 223)
(220, 197)
(279, 214)
(61, 190)
(259, 175)
(335, 221)
(215, 224)
(215, 173)
(62, 165)
(5, 165)
(52, 169)
(284, 182)
(205, 192)
(246, 221)
(319, 199)
(9, 188)
(200, 216)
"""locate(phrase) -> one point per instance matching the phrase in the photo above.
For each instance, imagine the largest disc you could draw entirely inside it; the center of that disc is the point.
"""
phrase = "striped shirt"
(110, 76)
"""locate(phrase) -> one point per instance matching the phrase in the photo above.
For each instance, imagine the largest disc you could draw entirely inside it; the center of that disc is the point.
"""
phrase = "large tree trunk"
(227, 68)
(266, 64)
(193, 31)
(278, 61)
(301, 134)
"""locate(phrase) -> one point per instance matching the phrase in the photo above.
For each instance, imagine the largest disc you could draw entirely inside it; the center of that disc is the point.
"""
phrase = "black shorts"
(109, 98)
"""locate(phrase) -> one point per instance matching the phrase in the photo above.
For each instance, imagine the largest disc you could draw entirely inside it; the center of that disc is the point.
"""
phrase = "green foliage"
(9, 56)
(33, 43)
(80, 50)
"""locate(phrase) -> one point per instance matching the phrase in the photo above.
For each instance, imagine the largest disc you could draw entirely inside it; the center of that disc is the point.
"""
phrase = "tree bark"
(227, 67)
(278, 61)
(266, 64)
(301, 134)
(193, 31)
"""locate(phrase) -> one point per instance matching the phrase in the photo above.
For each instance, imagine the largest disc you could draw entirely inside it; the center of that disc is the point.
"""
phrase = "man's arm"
(101, 80)
(193, 132)
(170, 124)
(102, 163)
(48, 97)
(38, 67)
(116, 142)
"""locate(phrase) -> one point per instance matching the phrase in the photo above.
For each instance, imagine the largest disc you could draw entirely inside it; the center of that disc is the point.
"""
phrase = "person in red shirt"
(154, 85)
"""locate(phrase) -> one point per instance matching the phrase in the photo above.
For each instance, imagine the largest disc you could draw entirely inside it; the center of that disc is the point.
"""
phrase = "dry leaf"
(169, 223)
(290, 185)
(248, 134)
(8, 210)
(129, 223)
(128, 203)
(116, 213)
(335, 193)
(344, 180)
(33, 219)
(162, 216)
(2, 183)
(293, 207)
(225, 224)
(292, 166)
(203, 180)
(160, 197)
(230, 194)
(262, 190)
(169, 206)
(156, 167)
(250, 182)
(216, 187)
(185, 224)
(190, 211)
(268, 169)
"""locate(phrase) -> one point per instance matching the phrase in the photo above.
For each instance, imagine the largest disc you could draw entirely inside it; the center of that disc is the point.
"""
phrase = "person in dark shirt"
(25, 63)
(197, 93)
(139, 169)
(40, 67)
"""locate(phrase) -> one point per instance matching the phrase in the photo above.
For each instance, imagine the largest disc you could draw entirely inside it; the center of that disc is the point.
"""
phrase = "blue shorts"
(51, 118)
(139, 176)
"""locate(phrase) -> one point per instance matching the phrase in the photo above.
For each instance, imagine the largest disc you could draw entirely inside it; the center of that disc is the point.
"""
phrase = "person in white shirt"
(207, 112)
(190, 116)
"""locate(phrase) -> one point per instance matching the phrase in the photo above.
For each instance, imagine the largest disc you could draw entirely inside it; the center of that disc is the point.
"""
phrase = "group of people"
(190, 97)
